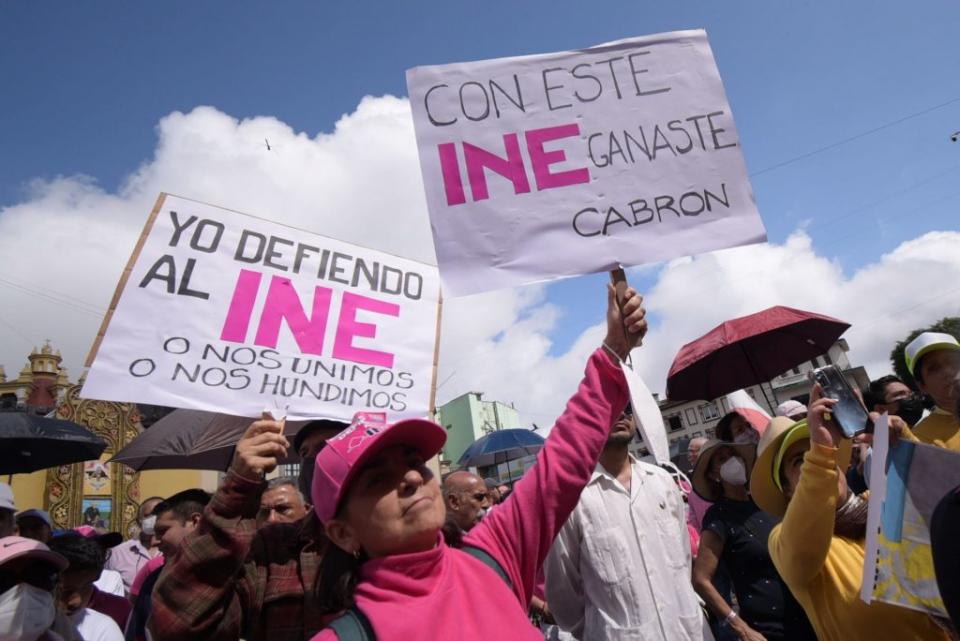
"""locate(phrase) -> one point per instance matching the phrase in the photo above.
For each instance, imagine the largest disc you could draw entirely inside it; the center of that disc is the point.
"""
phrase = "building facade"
(39, 386)
(98, 493)
(685, 420)
(468, 418)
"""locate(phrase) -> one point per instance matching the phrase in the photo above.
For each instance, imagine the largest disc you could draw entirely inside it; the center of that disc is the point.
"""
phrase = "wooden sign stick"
(619, 279)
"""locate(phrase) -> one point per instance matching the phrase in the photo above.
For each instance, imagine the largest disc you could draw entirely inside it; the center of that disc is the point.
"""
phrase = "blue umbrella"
(499, 447)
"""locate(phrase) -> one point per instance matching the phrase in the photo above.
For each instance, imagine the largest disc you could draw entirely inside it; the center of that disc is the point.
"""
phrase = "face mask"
(148, 524)
(25, 612)
(910, 409)
(306, 476)
(733, 471)
(747, 437)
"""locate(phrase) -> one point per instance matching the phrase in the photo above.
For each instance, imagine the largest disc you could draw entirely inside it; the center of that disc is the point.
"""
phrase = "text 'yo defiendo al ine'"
(366, 376)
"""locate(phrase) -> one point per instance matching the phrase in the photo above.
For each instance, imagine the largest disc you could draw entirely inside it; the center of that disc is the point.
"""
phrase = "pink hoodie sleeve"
(520, 531)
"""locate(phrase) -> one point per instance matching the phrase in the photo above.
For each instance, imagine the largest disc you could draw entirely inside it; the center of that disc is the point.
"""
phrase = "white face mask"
(148, 524)
(733, 471)
(748, 436)
(25, 612)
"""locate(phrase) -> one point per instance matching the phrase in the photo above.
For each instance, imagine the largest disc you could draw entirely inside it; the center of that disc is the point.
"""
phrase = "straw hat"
(703, 486)
(763, 488)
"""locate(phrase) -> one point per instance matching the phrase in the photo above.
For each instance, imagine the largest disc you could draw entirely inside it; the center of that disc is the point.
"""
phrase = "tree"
(948, 325)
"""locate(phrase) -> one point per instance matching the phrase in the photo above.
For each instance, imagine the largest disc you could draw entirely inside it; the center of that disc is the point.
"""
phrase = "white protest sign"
(547, 166)
(647, 415)
(226, 312)
(878, 493)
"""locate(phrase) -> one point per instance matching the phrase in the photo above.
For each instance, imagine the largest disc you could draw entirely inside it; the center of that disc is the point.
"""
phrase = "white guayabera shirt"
(620, 567)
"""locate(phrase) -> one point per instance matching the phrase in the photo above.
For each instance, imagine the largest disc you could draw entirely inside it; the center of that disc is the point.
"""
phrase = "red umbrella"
(749, 351)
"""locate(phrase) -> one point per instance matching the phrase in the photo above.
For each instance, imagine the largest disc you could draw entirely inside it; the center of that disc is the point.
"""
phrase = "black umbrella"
(501, 446)
(29, 443)
(192, 440)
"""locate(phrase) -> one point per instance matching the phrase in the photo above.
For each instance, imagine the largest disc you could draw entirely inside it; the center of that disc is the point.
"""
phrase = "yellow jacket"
(825, 572)
(940, 429)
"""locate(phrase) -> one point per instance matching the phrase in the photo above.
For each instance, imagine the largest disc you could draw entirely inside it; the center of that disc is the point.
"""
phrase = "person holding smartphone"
(818, 547)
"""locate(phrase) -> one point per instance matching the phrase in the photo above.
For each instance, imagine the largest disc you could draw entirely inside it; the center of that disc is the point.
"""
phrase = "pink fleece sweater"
(445, 593)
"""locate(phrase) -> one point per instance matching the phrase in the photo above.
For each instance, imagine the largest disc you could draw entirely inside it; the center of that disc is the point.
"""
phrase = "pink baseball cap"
(105, 539)
(15, 547)
(345, 454)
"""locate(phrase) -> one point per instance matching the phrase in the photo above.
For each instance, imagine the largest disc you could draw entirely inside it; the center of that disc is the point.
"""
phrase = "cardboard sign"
(225, 312)
(907, 481)
(648, 416)
(548, 166)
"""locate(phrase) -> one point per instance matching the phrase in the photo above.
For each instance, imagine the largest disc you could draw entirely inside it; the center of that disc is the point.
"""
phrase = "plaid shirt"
(229, 580)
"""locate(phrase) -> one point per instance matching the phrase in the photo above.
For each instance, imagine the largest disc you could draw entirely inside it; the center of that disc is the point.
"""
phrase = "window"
(827, 359)
(675, 423)
(796, 371)
(691, 416)
(709, 412)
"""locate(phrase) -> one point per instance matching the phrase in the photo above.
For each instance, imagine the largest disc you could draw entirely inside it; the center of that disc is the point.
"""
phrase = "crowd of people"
(766, 541)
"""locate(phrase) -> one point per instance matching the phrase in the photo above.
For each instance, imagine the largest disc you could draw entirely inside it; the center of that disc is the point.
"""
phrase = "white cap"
(37, 514)
(791, 408)
(924, 343)
(6, 498)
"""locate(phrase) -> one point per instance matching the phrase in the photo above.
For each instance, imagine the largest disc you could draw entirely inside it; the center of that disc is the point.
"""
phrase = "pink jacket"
(446, 593)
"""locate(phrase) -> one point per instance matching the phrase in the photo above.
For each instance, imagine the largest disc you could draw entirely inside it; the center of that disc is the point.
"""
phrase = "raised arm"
(520, 531)
(205, 590)
(799, 545)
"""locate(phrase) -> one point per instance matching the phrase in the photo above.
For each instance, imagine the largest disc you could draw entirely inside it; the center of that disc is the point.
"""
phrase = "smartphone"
(849, 412)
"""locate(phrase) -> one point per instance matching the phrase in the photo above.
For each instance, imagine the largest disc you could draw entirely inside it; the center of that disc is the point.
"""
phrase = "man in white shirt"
(133, 554)
(620, 567)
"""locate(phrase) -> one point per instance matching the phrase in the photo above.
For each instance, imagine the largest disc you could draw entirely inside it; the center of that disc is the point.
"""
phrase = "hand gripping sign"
(548, 166)
(225, 312)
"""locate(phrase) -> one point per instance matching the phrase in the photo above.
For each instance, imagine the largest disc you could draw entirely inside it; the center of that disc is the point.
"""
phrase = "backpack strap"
(353, 625)
(484, 557)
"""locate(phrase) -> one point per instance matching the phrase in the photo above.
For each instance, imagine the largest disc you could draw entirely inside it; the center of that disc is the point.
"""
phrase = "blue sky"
(86, 83)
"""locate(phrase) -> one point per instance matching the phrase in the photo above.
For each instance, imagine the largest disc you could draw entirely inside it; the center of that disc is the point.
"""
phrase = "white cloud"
(70, 239)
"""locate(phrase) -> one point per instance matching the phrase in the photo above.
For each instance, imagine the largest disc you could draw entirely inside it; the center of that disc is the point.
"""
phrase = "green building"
(469, 417)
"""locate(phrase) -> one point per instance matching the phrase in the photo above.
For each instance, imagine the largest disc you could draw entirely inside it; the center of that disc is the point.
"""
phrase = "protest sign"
(547, 166)
(905, 488)
(649, 420)
(226, 312)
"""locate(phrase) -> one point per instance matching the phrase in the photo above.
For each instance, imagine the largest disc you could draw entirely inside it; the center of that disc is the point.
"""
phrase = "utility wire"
(52, 298)
(850, 139)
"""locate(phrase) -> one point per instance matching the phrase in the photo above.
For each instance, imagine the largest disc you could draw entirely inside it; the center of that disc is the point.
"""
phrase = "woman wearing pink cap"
(383, 511)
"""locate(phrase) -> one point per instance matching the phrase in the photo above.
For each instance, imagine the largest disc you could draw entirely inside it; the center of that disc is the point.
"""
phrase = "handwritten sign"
(225, 312)
(907, 481)
(547, 166)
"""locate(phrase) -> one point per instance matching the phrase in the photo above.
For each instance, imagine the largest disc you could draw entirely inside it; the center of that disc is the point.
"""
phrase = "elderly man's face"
(282, 504)
(693, 451)
(467, 499)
